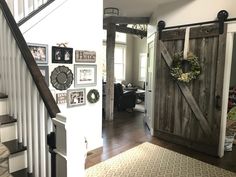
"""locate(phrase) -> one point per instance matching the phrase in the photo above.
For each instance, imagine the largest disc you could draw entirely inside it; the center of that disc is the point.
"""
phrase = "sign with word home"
(85, 56)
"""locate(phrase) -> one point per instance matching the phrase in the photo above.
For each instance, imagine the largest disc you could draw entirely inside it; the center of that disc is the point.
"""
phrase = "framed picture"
(84, 56)
(62, 55)
(39, 52)
(44, 71)
(76, 97)
(85, 75)
(61, 98)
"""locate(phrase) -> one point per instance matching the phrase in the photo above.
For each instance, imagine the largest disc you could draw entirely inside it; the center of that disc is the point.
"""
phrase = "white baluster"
(42, 133)
(26, 8)
(18, 94)
(23, 101)
(9, 69)
(21, 9)
(35, 131)
(15, 10)
(13, 80)
(29, 122)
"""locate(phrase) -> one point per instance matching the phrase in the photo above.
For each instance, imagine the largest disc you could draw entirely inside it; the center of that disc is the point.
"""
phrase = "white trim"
(228, 60)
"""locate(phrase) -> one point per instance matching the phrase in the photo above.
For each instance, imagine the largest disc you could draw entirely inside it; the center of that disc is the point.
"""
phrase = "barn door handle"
(218, 105)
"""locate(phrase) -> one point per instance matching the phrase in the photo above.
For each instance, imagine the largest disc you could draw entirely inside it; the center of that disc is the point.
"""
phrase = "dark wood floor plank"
(6, 119)
(3, 96)
(128, 130)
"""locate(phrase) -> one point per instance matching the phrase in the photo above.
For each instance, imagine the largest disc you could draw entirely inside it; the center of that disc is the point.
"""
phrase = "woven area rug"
(148, 160)
(4, 154)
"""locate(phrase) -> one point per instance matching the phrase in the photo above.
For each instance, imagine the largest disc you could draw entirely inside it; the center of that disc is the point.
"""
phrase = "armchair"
(123, 99)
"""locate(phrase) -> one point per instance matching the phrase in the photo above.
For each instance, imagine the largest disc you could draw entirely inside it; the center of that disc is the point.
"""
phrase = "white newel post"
(70, 147)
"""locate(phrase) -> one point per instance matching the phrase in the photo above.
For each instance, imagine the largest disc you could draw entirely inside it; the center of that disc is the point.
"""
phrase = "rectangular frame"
(85, 75)
(61, 98)
(39, 52)
(85, 56)
(62, 55)
(44, 70)
(76, 97)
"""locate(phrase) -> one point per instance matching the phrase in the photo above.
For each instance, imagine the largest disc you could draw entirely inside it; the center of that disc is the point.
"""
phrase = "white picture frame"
(85, 75)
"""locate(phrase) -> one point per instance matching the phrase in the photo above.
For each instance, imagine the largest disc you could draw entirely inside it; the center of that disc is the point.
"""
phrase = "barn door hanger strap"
(222, 17)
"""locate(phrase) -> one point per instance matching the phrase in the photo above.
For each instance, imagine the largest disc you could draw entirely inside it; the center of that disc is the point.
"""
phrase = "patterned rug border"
(165, 163)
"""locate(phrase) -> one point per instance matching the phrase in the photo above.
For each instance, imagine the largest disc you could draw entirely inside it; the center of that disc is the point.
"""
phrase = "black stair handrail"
(43, 89)
(34, 12)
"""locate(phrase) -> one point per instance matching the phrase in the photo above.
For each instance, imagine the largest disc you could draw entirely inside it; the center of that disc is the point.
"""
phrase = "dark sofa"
(123, 99)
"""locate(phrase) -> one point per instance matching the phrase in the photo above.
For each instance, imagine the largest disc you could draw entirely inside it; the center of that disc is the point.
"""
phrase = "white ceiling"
(135, 8)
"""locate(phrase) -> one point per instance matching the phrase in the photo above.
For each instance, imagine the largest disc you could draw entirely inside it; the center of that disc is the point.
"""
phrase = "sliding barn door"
(190, 114)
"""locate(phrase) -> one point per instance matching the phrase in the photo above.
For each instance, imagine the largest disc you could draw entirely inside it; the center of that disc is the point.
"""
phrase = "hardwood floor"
(128, 130)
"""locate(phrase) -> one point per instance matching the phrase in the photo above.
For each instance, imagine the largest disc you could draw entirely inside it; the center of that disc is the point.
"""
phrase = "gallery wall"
(79, 24)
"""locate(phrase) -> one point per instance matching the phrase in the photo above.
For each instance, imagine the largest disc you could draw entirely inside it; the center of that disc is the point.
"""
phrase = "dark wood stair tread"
(6, 119)
(14, 146)
(3, 96)
(21, 173)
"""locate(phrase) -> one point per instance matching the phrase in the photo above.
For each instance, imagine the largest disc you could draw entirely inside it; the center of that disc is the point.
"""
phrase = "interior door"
(190, 114)
(149, 87)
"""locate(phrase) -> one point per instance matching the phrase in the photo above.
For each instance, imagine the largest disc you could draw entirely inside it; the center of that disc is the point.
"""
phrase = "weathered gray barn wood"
(190, 114)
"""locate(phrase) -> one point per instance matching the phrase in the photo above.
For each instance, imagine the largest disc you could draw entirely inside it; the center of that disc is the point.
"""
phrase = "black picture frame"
(62, 55)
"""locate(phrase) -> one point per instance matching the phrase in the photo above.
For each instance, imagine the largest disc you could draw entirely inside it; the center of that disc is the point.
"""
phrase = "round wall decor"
(179, 64)
(61, 78)
(93, 96)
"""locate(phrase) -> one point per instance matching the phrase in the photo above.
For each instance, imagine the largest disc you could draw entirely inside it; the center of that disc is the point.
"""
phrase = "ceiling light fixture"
(111, 11)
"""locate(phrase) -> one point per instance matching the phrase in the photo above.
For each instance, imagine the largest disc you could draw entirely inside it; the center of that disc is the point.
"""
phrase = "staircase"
(23, 10)
(26, 103)
(8, 135)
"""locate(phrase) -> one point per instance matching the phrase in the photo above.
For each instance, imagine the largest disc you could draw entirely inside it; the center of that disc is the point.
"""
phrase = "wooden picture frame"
(76, 97)
(85, 75)
(44, 70)
(85, 56)
(61, 98)
(39, 52)
(62, 55)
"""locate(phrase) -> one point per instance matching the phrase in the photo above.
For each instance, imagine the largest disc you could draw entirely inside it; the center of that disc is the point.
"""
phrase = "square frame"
(39, 52)
(76, 97)
(44, 70)
(85, 75)
(62, 55)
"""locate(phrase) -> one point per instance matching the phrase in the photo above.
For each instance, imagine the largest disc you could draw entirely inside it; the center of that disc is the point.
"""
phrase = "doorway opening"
(230, 139)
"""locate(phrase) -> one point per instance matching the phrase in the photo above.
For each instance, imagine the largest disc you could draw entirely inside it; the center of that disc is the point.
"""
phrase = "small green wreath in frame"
(93, 96)
(185, 69)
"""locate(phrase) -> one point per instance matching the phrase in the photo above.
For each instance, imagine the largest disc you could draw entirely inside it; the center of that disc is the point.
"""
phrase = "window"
(142, 66)
(120, 62)
(119, 57)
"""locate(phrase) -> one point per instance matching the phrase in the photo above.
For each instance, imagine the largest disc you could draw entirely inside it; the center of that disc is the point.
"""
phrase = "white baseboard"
(94, 144)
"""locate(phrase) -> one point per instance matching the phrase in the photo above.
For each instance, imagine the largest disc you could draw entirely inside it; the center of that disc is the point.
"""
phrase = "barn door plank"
(187, 94)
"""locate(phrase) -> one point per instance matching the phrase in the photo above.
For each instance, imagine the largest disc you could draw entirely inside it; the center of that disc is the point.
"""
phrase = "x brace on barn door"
(187, 94)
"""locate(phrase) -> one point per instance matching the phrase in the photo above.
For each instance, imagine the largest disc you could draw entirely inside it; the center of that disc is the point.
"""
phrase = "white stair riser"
(8, 132)
(3, 107)
(18, 161)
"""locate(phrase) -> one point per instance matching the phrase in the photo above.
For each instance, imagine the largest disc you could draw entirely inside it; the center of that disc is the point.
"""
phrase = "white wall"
(185, 11)
(80, 24)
